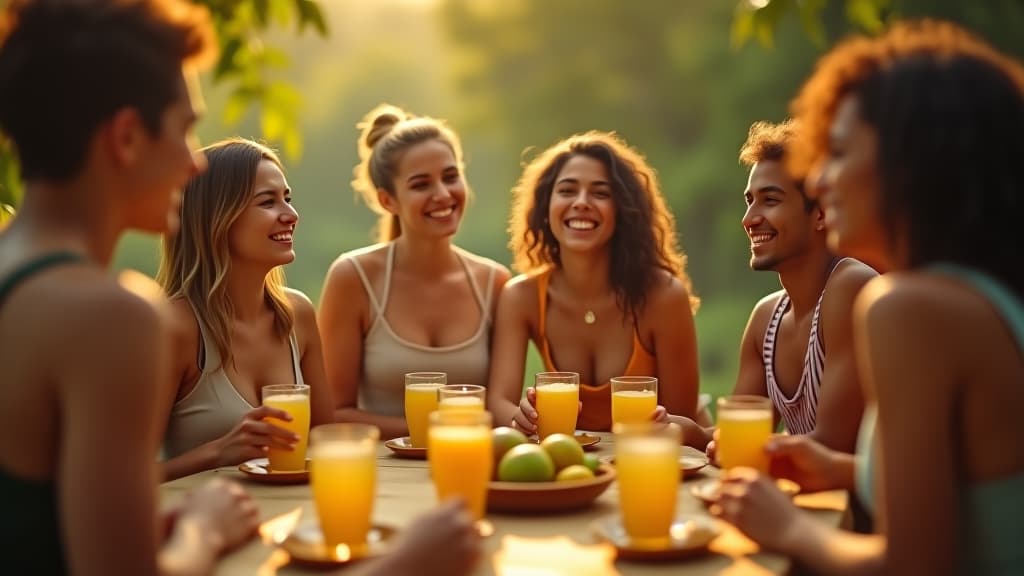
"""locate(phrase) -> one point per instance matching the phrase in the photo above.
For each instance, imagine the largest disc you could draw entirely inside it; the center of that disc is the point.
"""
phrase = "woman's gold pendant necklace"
(590, 317)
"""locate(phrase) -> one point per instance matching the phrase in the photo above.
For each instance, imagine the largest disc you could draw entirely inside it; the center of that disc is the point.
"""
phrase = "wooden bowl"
(532, 497)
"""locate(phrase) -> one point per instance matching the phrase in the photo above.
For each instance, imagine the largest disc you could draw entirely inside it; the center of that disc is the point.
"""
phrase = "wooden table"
(404, 490)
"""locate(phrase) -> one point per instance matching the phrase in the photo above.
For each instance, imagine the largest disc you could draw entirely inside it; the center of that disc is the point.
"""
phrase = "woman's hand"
(525, 418)
(251, 437)
(804, 461)
(225, 512)
(751, 502)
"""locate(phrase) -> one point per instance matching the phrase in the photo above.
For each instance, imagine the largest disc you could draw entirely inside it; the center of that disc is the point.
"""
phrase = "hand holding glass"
(558, 402)
(293, 399)
(634, 398)
(744, 426)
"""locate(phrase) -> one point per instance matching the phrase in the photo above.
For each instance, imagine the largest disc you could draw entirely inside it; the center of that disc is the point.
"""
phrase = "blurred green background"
(675, 78)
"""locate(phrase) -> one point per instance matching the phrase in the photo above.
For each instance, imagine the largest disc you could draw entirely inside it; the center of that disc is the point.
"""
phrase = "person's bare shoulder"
(303, 309)
(761, 315)
(667, 295)
(343, 276)
(519, 295)
(845, 282)
(482, 267)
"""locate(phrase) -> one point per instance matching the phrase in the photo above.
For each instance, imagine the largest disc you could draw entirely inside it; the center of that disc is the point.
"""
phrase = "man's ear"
(387, 201)
(124, 136)
(819, 218)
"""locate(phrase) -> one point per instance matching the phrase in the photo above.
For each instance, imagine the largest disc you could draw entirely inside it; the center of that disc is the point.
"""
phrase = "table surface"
(404, 490)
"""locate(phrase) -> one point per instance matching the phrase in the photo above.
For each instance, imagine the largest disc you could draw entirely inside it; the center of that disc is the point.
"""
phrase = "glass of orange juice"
(460, 454)
(420, 401)
(461, 397)
(647, 464)
(343, 473)
(293, 399)
(558, 402)
(634, 398)
(744, 425)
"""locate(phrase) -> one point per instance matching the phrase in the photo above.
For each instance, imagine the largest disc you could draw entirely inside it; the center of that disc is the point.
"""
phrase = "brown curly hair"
(768, 142)
(644, 241)
(948, 113)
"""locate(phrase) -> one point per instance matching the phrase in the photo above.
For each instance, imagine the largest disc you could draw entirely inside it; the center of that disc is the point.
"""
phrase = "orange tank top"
(596, 398)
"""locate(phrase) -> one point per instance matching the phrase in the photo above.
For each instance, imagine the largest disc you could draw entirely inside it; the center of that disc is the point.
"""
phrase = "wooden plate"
(402, 448)
(707, 490)
(306, 546)
(689, 535)
(530, 497)
(258, 470)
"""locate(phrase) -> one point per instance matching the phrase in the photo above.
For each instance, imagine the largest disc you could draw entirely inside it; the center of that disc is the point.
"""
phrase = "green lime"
(591, 462)
(526, 463)
(564, 450)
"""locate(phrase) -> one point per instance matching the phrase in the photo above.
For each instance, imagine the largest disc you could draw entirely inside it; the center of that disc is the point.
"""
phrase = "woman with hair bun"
(413, 301)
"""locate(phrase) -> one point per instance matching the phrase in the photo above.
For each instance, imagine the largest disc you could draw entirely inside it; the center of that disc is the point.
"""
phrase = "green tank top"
(993, 511)
(30, 541)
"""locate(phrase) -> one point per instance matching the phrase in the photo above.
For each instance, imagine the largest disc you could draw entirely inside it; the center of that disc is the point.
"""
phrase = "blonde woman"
(414, 301)
(242, 328)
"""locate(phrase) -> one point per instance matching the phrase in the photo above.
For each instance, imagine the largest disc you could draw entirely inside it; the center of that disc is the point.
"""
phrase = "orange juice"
(648, 477)
(344, 477)
(460, 463)
(461, 403)
(420, 401)
(297, 406)
(557, 408)
(741, 438)
(633, 405)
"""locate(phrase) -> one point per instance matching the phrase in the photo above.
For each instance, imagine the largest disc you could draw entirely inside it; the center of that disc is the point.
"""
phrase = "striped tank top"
(800, 411)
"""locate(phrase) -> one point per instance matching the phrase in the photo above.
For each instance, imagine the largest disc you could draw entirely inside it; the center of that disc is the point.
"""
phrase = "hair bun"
(379, 122)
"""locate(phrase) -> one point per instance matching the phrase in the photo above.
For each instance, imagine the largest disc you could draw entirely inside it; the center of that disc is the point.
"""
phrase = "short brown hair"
(67, 67)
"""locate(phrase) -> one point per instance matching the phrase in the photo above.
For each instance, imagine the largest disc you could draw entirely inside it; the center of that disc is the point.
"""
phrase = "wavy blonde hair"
(196, 260)
(385, 134)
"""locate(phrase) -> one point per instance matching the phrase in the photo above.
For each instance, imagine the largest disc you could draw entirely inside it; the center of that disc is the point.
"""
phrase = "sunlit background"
(671, 76)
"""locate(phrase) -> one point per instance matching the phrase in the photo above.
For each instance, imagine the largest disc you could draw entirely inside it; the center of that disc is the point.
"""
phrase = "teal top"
(30, 542)
(993, 511)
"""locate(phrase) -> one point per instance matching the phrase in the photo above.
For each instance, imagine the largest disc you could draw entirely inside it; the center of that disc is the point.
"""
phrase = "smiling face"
(777, 221)
(263, 231)
(582, 208)
(430, 193)
(848, 188)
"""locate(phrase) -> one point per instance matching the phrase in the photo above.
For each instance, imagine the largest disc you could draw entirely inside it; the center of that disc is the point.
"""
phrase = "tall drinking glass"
(558, 402)
(343, 473)
(744, 425)
(460, 454)
(461, 397)
(634, 398)
(420, 401)
(293, 399)
(647, 464)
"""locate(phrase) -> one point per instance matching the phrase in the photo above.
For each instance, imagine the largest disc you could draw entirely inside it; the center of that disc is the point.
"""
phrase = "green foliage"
(10, 179)
(249, 65)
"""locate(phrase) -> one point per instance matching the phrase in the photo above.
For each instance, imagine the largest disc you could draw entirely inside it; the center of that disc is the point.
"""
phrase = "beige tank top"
(387, 357)
(214, 406)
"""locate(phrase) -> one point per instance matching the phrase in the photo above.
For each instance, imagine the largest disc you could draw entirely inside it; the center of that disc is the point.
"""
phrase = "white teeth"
(282, 236)
(761, 238)
(577, 224)
(442, 213)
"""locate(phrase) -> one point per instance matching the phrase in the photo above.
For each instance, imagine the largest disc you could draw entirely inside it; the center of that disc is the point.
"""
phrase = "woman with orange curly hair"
(917, 136)
(603, 290)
